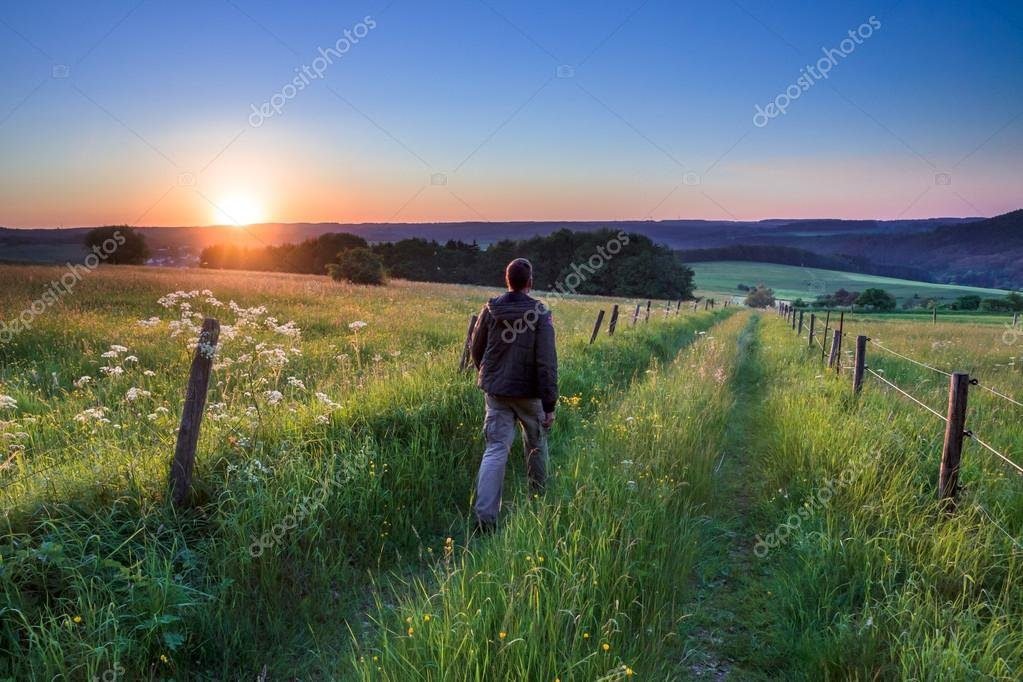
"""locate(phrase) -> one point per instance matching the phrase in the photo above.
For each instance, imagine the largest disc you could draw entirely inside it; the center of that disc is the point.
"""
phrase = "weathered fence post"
(934, 315)
(706, 303)
(836, 345)
(1015, 320)
(955, 431)
(836, 348)
(647, 319)
(678, 306)
(635, 315)
(696, 304)
(793, 319)
(860, 363)
(464, 362)
(800, 323)
(824, 337)
(192, 411)
(813, 323)
(596, 326)
(614, 321)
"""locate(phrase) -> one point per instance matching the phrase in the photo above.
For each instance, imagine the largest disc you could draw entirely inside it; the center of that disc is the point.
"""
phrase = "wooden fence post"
(696, 304)
(955, 431)
(793, 319)
(800, 322)
(192, 411)
(635, 315)
(813, 323)
(647, 319)
(596, 326)
(824, 337)
(859, 363)
(836, 348)
(614, 321)
(838, 341)
(1015, 320)
(678, 306)
(934, 315)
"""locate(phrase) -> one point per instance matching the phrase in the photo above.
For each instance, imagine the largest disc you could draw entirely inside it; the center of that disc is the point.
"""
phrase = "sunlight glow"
(239, 209)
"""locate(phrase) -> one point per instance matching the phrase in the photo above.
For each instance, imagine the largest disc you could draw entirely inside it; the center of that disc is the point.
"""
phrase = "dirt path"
(722, 641)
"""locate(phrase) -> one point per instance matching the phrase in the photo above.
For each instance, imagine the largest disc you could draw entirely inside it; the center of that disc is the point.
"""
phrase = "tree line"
(599, 262)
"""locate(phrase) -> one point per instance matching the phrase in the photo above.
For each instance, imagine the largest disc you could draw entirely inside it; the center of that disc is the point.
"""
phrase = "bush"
(876, 299)
(359, 266)
(970, 302)
(117, 244)
(760, 297)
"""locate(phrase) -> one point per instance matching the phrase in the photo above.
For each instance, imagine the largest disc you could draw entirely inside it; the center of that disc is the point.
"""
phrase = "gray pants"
(499, 428)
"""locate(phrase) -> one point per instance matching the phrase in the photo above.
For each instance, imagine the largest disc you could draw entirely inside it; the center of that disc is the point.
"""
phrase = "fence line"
(953, 433)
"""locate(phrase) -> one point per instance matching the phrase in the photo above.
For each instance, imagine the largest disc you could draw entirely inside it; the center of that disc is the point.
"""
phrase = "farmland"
(679, 445)
(791, 282)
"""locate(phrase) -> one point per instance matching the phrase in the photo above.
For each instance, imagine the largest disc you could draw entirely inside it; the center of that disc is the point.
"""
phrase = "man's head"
(519, 275)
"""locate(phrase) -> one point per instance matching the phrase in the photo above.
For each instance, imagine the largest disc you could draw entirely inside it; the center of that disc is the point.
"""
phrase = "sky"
(242, 111)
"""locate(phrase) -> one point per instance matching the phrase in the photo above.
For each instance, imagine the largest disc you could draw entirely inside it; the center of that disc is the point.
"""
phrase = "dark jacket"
(513, 349)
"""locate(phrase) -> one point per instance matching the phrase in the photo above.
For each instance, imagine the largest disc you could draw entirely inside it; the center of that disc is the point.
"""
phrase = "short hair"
(518, 274)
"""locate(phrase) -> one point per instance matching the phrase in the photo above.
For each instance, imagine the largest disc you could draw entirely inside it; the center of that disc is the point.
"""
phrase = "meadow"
(792, 282)
(328, 535)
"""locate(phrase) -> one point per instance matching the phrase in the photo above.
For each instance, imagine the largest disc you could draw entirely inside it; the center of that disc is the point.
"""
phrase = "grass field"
(328, 532)
(792, 282)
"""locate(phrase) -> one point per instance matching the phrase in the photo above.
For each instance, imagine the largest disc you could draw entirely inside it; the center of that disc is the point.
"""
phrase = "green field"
(328, 535)
(791, 282)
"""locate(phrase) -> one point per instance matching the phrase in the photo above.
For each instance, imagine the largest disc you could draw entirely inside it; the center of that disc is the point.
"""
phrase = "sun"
(239, 209)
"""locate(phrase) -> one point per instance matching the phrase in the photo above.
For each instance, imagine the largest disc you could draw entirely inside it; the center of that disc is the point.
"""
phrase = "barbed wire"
(906, 357)
(972, 436)
(1000, 395)
(915, 400)
(990, 518)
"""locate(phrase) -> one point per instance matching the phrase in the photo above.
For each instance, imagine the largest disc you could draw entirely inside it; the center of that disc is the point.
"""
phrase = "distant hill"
(972, 251)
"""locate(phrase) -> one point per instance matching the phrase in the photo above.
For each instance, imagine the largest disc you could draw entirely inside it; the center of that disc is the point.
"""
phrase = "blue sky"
(654, 119)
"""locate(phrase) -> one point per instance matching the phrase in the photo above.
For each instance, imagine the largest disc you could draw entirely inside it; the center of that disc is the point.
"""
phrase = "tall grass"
(586, 583)
(298, 501)
(873, 581)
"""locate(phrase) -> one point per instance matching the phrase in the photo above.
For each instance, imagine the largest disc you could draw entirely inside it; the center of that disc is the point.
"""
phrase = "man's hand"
(548, 420)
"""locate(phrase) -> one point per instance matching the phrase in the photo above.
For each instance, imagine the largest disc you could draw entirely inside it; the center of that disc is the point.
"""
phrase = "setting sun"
(239, 209)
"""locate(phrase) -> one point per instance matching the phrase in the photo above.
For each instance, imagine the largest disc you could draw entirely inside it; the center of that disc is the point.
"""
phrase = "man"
(513, 351)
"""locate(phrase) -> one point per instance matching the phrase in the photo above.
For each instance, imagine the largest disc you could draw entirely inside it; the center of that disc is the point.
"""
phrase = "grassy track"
(586, 585)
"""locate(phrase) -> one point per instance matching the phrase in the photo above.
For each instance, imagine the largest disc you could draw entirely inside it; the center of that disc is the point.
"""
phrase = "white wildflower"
(357, 325)
(96, 414)
(135, 393)
(7, 402)
(274, 397)
(295, 382)
(81, 382)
